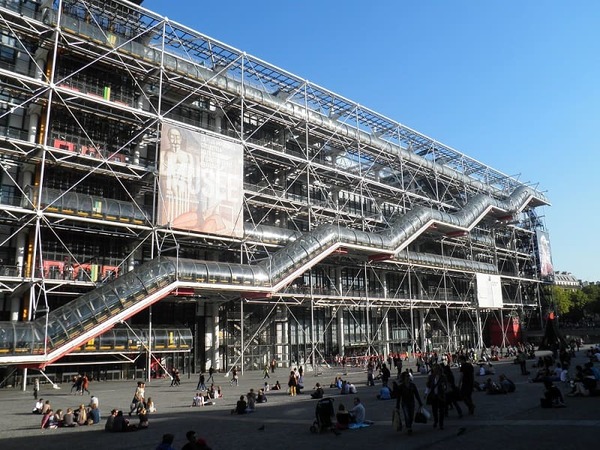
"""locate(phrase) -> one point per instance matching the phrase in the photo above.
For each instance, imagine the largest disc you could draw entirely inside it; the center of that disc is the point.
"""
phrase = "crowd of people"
(450, 381)
(71, 417)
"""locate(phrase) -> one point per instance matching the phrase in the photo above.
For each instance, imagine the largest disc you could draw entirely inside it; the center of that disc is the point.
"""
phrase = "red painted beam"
(456, 233)
(381, 257)
(253, 295)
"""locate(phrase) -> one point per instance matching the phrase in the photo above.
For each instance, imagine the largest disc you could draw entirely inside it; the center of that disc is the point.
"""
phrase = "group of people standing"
(441, 393)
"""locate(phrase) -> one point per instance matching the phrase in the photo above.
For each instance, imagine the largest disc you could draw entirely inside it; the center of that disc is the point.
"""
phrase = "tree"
(579, 302)
(561, 300)
(593, 293)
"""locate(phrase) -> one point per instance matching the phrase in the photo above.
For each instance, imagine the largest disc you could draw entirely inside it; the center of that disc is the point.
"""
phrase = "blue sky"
(513, 84)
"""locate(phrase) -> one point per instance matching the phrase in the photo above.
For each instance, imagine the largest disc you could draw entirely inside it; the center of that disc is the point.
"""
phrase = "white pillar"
(386, 334)
(211, 337)
(340, 331)
(281, 331)
(422, 334)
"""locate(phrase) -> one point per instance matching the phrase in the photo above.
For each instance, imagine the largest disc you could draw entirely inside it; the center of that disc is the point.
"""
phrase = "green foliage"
(592, 292)
(561, 300)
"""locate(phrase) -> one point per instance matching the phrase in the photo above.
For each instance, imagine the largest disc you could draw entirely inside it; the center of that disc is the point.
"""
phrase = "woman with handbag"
(437, 386)
(453, 394)
(407, 393)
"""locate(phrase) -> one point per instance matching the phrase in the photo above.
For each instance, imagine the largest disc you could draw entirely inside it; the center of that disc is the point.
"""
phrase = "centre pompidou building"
(168, 196)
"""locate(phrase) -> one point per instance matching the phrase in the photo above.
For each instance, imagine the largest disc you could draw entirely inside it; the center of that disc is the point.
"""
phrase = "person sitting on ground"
(94, 401)
(47, 419)
(198, 399)
(251, 396)
(39, 405)
(211, 393)
(584, 382)
(110, 421)
(357, 413)
(241, 406)
(351, 388)
(120, 423)
(345, 389)
(385, 393)
(342, 418)
(486, 369)
(337, 383)
(276, 386)
(81, 415)
(46, 407)
(69, 419)
(506, 385)
(261, 397)
(542, 374)
(553, 397)
(318, 392)
(266, 387)
(93, 414)
(491, 387)
(150, 406)
(58, 418)
(143, 416)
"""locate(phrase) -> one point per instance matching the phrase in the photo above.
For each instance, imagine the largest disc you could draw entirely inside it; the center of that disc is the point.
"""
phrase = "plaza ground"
(513, 421)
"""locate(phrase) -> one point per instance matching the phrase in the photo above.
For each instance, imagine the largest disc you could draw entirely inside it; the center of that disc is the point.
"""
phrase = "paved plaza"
(513, 421)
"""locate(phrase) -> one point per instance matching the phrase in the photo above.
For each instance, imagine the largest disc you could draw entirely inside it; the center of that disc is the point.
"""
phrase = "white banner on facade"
(489, 291)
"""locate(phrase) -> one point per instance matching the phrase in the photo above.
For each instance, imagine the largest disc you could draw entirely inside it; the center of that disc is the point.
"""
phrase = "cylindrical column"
(211, 338)
(386, 334)
(340, 331)
(422, 333)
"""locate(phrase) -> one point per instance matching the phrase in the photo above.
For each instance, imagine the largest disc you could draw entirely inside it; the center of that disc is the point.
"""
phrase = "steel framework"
(85, 89)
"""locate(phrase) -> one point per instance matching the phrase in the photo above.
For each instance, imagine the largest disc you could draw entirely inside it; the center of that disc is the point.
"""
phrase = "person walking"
(201, 384)
(234, 376)
(385, 375)
(175, 380)
(36, 388)
(437, 386)
(292, 383)
(266, 372)
(466, 383)
(211, 372)
(406, 395)
(85, 384)
(138, 397)
(522, 360)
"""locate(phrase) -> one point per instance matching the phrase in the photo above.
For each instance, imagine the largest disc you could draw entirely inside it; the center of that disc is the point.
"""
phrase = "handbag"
(396, 421)
(420, 417)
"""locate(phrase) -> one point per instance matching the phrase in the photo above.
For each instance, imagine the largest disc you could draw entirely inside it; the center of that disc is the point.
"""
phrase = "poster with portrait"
(201, 182)
(544, 253)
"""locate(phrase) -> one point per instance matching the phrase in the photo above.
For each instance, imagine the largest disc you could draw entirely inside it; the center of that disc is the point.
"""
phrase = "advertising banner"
(489, 291)
(544, 253)
(201, 182)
